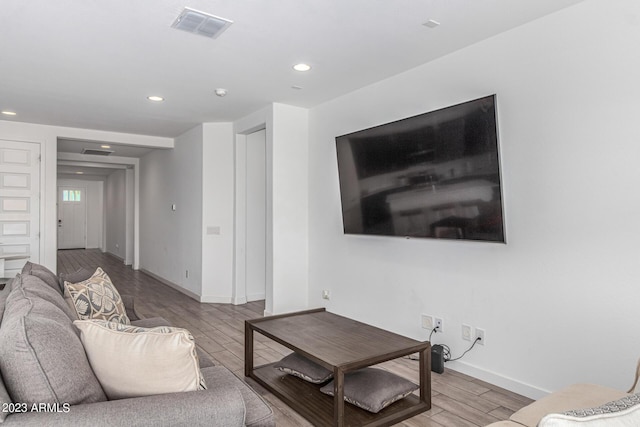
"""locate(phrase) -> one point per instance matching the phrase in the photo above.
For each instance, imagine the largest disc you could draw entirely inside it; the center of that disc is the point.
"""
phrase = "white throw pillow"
(130, 361)
(624, 412)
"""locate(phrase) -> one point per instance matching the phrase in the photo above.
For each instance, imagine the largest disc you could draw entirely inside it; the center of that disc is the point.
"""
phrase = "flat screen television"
(435, 175)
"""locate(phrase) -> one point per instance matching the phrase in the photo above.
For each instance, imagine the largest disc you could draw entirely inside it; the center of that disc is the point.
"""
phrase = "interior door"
(19, 203)
(72, 218)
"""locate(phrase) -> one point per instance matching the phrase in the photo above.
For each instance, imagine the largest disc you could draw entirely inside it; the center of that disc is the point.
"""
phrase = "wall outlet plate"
(326, 294)
(427, 321)
(439, 324)
(466, 332)
(480, 334)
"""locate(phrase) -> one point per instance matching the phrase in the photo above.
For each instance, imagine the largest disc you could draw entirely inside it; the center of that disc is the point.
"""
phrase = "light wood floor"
(457, 399)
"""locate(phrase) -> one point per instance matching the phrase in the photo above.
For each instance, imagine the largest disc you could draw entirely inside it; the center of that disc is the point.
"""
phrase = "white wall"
(171, 241)
(559, 300)
(286, 164)
(116, 219)
(290, 207)
(94, 191)
(216, 226)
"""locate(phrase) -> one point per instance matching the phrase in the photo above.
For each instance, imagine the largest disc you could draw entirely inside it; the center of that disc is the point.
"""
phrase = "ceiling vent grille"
(96, 152)
(201, 23)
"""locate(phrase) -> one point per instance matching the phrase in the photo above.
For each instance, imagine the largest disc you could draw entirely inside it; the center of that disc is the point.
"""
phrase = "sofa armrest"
(213, 407)
(129, 306)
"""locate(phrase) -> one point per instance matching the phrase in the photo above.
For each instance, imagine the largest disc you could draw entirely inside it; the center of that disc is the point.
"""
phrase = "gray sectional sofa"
(47, 379)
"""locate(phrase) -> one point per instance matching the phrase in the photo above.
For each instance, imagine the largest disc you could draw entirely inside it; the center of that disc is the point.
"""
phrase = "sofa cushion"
(574, 396)
(41, 356)
(373, 389)
(4, 400)
(259, 413)
(624, 412)
(43, 273)
(97, 298)
(35, 287)
(3, 296)
(132, 361)
(301, 367)
(79, 275)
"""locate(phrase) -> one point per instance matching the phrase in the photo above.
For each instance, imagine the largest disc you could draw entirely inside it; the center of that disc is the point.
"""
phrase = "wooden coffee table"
(341, 345)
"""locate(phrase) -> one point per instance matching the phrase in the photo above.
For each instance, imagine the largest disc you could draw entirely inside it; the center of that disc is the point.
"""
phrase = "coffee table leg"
(248, 349)
(425, 376)
(338, 397)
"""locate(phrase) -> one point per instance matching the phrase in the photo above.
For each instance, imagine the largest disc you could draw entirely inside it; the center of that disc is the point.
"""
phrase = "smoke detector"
(96, 152)
(201, 23)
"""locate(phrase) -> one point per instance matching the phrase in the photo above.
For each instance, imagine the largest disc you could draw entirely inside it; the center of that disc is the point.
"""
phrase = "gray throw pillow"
(42, 273)
(34, 287)
(301, 367)
(41, 357)
(373, 389)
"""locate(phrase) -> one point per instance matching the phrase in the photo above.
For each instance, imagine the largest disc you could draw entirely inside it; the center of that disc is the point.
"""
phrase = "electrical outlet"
(439, 325)
(427, 321)
(480, 334)
(466, 332)
(326, 294)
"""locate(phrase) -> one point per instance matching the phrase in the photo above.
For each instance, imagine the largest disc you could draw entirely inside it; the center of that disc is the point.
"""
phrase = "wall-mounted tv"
(433, 175)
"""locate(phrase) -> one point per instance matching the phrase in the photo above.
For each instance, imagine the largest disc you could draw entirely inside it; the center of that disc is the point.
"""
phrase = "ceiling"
(92, 64)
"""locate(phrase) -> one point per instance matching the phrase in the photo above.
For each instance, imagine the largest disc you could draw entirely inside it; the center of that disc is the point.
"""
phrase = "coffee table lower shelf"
(306, 399)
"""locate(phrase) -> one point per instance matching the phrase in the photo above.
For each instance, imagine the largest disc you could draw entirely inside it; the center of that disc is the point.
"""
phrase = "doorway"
(256, 216)
(72, 218)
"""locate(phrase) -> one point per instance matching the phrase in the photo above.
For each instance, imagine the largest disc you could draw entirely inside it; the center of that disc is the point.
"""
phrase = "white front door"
(72, 218)
(19, 203)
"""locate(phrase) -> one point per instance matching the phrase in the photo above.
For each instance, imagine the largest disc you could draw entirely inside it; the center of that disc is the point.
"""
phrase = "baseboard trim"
(172, 285)
(210, 299)
(206, 299)
(239, 300)
(112, 255)
(255, 297)
(510, 384)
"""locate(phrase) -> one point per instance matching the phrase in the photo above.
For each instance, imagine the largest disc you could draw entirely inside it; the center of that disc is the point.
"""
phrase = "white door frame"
(132, 163)
(239, 295)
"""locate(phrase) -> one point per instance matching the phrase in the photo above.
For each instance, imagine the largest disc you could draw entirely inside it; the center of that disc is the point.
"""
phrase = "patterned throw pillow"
(96, 298)
(132, 361)
(624, 412)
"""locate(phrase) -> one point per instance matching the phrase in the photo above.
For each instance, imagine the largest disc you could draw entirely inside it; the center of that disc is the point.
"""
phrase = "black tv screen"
(433, 175)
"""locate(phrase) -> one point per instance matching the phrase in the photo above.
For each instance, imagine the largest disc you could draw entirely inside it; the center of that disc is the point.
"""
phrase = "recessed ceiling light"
(221, 92)
(302, 67)
(155, 98)
(296, 87)
(105, 146)
(431, 23)
(79, 173)
(9, 113)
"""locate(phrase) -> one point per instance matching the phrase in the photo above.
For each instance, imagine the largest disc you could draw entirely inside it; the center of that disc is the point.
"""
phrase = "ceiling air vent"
(201, 23)
(96, 152)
